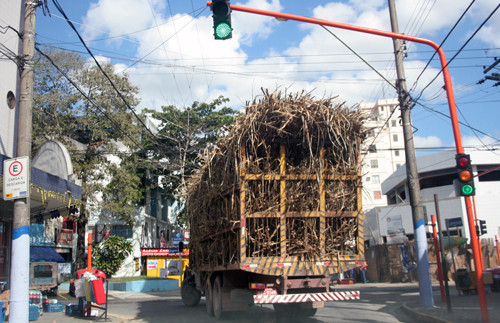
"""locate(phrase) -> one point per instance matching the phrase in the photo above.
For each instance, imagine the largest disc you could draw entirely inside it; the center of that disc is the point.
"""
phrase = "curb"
(421, 317)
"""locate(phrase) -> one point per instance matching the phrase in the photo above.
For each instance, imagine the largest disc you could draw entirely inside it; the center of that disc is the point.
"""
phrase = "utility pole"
(419, 225)
(20, 265)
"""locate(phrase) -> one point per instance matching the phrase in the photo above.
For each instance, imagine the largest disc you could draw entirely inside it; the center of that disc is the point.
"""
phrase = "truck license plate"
(270, 291)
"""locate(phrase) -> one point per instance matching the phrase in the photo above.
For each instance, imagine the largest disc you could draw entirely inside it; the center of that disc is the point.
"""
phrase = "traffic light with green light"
(222, 19)
(465, 176)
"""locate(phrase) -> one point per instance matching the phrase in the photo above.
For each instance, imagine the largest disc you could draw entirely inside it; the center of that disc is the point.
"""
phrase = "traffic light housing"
(465, 176)
(482, 227)
(222, 19)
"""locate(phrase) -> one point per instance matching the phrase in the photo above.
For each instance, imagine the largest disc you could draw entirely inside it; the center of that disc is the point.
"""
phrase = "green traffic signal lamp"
(465, 176)
(222, 30)
(467, 190)
(222, 19)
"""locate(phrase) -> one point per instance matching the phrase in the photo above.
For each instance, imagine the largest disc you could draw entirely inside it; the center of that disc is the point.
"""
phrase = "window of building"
(381, 109)
(374, 163)
(398, 165)
(371, 133)
(372, 149)
(373, 119)
(375, 179)
(395, 137)
(367, 179)
(377, 195)
(393, 123)
(396, 152)
(124, 231)
(401, 195)
(391, 198)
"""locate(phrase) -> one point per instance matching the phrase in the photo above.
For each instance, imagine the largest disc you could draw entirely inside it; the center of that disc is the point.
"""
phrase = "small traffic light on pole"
(222, 19)
(465, 178)
(482, 227)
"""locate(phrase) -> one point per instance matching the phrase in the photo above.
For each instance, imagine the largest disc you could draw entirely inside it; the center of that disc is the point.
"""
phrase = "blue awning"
(44, 254)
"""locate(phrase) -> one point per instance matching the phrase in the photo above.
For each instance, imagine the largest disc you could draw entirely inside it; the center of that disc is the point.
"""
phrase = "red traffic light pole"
(451, 106)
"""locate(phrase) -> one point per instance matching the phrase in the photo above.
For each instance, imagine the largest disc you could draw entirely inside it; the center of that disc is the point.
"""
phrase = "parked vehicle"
(276, 209)
(44, 276)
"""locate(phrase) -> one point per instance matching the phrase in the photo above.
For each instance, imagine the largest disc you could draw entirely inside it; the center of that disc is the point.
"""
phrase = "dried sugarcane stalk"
(305, 127)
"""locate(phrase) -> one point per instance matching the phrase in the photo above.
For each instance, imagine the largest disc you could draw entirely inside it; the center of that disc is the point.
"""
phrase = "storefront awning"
(44, 254)
(47, 192)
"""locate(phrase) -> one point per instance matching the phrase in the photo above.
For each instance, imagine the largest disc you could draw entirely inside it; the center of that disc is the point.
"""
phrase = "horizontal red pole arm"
(390, 34)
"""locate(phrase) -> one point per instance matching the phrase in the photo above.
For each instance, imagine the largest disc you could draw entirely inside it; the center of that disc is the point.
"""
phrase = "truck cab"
(44, 276)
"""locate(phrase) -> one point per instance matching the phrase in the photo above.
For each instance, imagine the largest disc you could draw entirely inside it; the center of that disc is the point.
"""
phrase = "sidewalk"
(61, 317)
(464, 308)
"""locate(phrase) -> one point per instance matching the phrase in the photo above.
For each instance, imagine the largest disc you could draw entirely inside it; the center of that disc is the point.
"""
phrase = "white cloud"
(116, 17)
(478, 141)
(428, 17)
(182, 63)
(489, 32)
(427, 142)
(250, 26)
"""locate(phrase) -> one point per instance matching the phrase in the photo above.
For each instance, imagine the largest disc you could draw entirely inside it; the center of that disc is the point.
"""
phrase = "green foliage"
(109, 254)
(54, 97)
(94, 126)
(185, 133)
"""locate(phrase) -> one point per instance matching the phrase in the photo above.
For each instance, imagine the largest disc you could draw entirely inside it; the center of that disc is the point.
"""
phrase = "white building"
(10, 50)
(383, 151)
(438, 174)
(155, 225)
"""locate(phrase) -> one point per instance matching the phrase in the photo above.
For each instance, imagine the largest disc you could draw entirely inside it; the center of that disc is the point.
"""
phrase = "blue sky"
(168, 50)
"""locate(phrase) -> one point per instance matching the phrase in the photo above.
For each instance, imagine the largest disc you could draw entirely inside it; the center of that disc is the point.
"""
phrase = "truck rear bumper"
(306, 298)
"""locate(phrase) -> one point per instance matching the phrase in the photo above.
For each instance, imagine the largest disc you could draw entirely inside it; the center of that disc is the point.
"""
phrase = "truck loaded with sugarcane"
(275, 210)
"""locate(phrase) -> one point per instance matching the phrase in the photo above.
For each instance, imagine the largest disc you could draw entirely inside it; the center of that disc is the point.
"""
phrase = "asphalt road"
(377, 304)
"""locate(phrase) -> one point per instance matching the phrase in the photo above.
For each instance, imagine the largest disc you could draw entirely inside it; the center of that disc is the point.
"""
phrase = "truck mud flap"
(305, 298)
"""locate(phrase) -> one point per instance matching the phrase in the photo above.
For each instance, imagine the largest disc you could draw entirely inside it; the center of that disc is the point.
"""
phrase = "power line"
(461, 48)
(56, 3)
(163, 44)
(154, 49)
(361, 58)
(118, 127)
(462, 123)
(440, 45)
(120, 35)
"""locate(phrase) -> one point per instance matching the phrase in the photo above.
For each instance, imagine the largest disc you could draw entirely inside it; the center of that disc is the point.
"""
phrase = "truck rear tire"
(217, 298)
(190, 295)
(209, 300)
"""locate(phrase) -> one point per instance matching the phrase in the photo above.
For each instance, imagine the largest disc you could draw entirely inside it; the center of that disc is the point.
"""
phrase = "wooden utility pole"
(419, 225)
(20, 265)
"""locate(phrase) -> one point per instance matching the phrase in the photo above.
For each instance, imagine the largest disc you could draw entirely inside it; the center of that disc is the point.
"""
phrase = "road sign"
(178, 238)
(16, 183)
(454, 222)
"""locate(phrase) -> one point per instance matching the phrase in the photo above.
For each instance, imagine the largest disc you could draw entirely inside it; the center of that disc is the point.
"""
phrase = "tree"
(109, 254)
(183, 135)
(95, 123)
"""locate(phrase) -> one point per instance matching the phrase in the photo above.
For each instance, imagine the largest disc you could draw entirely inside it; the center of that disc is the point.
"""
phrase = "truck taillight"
(257, 286)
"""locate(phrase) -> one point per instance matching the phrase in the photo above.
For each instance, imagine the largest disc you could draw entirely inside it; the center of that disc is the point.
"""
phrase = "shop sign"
(152, 264)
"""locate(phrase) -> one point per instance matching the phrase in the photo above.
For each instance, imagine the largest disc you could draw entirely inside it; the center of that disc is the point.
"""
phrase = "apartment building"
(383, 151)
